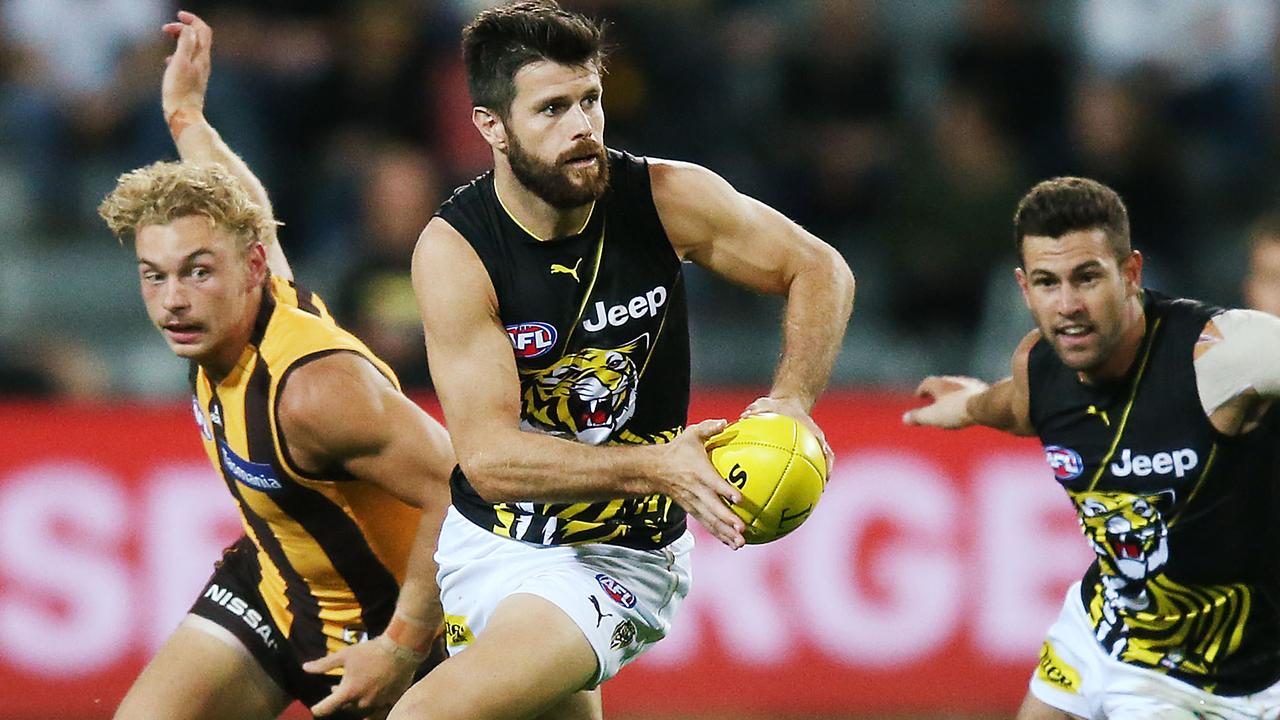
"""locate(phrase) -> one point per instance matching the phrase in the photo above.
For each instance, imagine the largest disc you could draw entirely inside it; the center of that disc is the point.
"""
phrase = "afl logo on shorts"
(616, 591)
(1065, 462)
(531, 339)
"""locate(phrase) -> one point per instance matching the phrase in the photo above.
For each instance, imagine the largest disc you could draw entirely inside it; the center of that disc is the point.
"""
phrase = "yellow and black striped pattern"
(1139, 614)
(332, 549)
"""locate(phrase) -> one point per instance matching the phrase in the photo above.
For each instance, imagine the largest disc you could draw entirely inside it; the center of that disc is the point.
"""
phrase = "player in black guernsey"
(1157, 417)
(554, 308)
(339, 478)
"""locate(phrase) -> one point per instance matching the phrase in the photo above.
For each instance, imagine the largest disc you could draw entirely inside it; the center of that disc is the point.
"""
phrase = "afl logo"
(1065, 462)
(200, 421)
(531, 339)
(616, 591)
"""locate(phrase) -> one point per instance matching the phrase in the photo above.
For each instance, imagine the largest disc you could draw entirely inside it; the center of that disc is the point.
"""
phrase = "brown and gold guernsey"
(600, 337)
(332, 549)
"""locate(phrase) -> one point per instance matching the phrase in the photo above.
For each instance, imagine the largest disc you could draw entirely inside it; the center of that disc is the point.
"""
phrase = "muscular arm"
(960, 402)
(751, 244)
(186, 80)
(474, 373)
(1237, 364)
(339, 412)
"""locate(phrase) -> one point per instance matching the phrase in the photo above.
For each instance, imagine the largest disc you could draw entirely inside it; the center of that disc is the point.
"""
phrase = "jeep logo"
(1177, 462)
(645, 305)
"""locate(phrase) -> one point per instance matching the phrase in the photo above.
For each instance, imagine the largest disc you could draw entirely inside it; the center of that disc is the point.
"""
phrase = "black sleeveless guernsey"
(599, 330)
(1182, 518)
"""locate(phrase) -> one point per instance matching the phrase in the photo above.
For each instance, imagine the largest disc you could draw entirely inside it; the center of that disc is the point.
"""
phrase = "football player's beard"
(553, 181)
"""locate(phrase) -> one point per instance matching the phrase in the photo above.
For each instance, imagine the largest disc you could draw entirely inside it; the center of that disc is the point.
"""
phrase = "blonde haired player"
(1157, 416)
(340, 479)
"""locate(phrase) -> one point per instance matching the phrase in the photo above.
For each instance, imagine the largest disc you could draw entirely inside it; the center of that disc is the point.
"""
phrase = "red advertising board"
(923, 583)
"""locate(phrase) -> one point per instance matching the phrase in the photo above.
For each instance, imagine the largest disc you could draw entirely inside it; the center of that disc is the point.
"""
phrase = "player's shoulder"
(687, 188)
(1243, 326)
(320, 391)
(468, 193)
(667, 171)
(1020, 362)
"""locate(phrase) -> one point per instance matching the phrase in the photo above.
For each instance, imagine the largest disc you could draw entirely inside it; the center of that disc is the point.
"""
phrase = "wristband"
(178, 120)
(409, 633)
(400, 652)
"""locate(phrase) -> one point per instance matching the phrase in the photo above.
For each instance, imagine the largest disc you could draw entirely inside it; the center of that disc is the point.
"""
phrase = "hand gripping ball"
(779, 467)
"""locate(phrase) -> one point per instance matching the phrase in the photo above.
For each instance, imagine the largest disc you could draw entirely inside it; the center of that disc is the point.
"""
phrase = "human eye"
(200, 272)
(152, 277)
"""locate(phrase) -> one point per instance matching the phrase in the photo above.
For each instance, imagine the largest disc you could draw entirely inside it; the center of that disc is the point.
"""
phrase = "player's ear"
(1131, 270)
(1021, 276)
(491, 127)
(257, 264)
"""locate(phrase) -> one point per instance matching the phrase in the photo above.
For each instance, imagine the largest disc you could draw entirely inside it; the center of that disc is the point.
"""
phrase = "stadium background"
(901, 131)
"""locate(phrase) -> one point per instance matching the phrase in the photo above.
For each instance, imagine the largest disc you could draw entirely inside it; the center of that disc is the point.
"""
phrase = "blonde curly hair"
(163, 192)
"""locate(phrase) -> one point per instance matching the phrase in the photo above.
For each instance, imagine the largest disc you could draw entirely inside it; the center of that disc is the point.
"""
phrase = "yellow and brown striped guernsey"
(332, 549)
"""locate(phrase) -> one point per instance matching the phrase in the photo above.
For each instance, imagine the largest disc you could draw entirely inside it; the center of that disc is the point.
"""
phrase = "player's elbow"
(485, 469)
(827, 264)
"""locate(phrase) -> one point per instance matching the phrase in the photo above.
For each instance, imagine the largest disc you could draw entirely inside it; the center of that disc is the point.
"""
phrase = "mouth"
(182, 333)
(582, 157)
(583, 162)
(1074, 334)
(595, 412)
(1126, 550)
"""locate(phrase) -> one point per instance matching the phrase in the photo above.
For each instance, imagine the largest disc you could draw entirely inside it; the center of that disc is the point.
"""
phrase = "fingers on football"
(708, 428)
(723, 523)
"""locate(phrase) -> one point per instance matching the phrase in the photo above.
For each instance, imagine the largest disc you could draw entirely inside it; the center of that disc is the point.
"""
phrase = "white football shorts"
(1076, 676)
(622, 599)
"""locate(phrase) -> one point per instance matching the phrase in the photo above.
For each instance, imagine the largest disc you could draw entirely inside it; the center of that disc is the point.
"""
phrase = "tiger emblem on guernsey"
(587, 395)
(1132, 542)
(1140, 614)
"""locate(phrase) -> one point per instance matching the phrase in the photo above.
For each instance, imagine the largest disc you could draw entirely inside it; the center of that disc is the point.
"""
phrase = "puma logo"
(601, 615)
(573, 271)
(1100, 414)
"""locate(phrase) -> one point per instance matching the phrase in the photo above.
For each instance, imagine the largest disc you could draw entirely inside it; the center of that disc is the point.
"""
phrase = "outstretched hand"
(693, 483)
(186, 76)
(374, 677)
(949, 399)
(793, 409)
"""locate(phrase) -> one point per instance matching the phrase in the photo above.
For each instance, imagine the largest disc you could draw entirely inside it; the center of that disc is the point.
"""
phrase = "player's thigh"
(1034, 709)
(530, 658)
(201, 674)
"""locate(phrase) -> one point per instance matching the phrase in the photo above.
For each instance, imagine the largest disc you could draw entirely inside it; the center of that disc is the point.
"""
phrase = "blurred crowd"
(903, 132)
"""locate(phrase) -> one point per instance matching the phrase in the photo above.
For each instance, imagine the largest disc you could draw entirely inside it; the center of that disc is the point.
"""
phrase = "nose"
(1070, 300)
(583, 128)
(174, 296)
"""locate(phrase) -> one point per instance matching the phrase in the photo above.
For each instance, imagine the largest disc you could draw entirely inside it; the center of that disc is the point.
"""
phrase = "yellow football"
(779, 467)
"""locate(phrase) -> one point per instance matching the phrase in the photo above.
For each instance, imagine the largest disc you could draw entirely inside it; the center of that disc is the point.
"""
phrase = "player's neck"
(539, 218)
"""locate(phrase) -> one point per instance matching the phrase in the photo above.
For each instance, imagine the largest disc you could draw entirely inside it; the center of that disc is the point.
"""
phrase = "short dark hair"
(1061, 205)
(503, 39)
